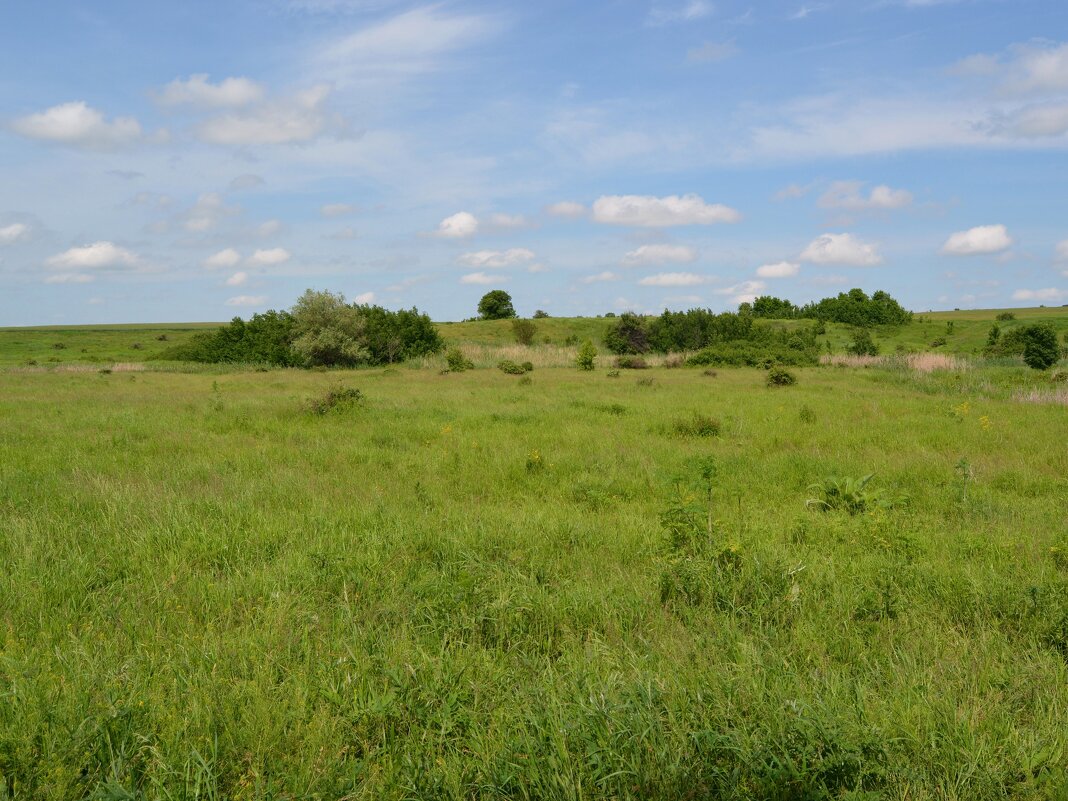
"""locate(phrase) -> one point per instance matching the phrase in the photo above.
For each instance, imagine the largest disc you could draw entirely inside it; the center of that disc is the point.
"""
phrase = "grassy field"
(467, 587)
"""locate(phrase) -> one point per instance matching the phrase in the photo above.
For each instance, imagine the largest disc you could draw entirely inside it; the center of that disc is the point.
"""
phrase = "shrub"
(1040, 346)
(630, 363)
(938, 342)
(806, 415)
(58, 346)
(627, 335)
(856, 308)
(780, 377)
(849, 494)
(526, 381)
(265, 338)
(457, 361)
(571, 340)
(674, 361)
(327, 331)
(586, 355)
(862, 344)
(496, 305)
(613, 374)
(528, 367)
(137, 346)
(510, 367)
(524, 331)
(1059, 377)
(337, 398)
(709, 373)
(392, 336)
(1006, 316)
(699, 425)
(162, 338)
(540, 315)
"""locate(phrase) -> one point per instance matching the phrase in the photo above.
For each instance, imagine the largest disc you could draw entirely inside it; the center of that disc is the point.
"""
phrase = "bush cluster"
(512, 368)
(852, 308)
(1037, 344)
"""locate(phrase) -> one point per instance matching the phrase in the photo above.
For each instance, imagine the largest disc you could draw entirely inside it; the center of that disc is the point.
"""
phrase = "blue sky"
(196, 161)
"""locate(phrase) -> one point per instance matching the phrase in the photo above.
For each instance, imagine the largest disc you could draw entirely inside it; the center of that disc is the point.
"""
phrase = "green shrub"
(1005, 316)
(613, 374)
(850, 495)
(674, 361)
(457, 361)
(510, 367)
(780, 377)
(627, 335)
(586, 355)
(630, 363)
(524, 331)
(336, 399)
(862, 344)
(528, 367)
(938, 342)
(1040, 346)
(699, 425)
(540, 315)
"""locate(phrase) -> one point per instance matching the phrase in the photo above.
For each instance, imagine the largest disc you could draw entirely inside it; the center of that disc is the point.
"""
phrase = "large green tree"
(496, 305)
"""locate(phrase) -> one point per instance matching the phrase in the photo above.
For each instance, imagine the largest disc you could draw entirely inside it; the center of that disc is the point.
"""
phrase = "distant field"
(102, 344)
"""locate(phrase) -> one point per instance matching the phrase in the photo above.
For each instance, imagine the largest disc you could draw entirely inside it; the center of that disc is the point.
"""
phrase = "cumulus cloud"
(1034, 67)
(223, 259)
(780, 269)
(841, 249)
(459, 226)
(198, 91)
(745, 292)
(364, 298)
(299, 118)
(496, 259)
(269, 257)
(660, 254)
(247, 300)
(848, 195)
(97, 256)
(78, 125)
(673, 279)
(336, 209)
(980, 240)
(206, 213)
(599, 277)
(10, 234)
(1048, 294)
(660, 212)
(567, 208)
(482, 278)
(506, 222)
(237, 279)
(1036, 121)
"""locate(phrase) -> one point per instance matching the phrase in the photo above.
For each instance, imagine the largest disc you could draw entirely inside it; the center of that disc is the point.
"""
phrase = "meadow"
(663, 584)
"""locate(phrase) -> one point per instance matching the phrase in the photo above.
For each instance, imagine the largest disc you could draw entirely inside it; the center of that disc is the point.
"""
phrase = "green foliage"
(780, 377)
(327, 331)
(856, 308)
(862, 344)
(457, 362)
(541, 315)
(512, 368)
(335, 399)
(524, 331)
(586, 355)
(773, 308)
(1005, 316)
(851, 495)
(396, 336)
(496, 305)
(627, 334)
(697, 425)
(266, 339)
(1041, 350)
(630, 363)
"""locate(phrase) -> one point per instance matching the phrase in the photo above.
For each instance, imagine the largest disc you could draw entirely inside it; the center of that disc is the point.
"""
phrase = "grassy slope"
(210, 593)
(102, 344)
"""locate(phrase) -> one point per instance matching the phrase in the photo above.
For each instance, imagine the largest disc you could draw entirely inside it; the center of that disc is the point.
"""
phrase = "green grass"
(462, 587)
(91, 344)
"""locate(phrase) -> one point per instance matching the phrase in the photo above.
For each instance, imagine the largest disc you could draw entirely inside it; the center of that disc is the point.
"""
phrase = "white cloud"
(269, 228)
(206, 213)
(1062, 250)
(198, 91)
(97, 256)
(459, 226)
(807, 11)
(712, 52)
(496, 259)
(223, 259)
(507, 221)
(673, 279)
(269, 257)
(237, 279)
(1035, 67)
(299, 118)
(1048, 294)
(537, 268)
(70, 278)
(660, 254)
(78, 125)
(247, 300)
(745, 292)
(482, 278)
(404, 45)
(645, 210)
(599, 277)
(364, 298)
(686, 12)
(780, 269)
(567, 208)
(10, 234)
(976, 241)
(841, 249)
(848, 195)
(1037, 121)
(336, 209)
(791, 192)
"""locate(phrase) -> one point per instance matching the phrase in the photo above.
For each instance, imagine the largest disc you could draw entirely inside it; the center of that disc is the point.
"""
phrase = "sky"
(195, 161)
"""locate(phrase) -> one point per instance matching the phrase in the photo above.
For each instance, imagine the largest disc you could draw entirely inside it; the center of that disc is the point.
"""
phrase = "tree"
(328, 331)
(1040, 346)
(627, 335)
(524, 331)
(863, 344)
(540, 314)
(496, 305)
